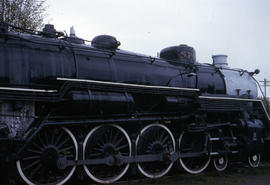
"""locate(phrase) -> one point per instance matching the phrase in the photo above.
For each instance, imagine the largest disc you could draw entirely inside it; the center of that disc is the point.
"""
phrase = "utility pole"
(265, 84)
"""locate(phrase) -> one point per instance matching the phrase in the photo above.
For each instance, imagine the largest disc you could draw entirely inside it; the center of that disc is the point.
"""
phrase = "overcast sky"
(238, 28)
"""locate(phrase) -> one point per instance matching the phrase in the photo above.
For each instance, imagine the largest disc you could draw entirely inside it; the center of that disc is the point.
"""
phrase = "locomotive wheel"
(102, 142)
(254, 160)
(190, 144)
(38, 164)
(155, 139)
(221, 163)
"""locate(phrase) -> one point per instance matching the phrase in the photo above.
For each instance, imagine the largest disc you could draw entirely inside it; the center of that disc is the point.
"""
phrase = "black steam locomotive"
(66, 105)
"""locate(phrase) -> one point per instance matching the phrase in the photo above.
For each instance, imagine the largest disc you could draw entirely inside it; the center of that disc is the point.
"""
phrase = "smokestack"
(220, 61)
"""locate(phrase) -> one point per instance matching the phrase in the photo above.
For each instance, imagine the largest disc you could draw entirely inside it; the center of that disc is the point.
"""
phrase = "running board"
(225, 152)
(218, 138)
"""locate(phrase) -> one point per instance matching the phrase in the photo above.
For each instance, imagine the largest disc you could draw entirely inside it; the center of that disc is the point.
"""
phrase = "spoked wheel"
(38, 164)
(155, 139)
(194, 151)
(103, 142)
(254, 160)
(221, 163)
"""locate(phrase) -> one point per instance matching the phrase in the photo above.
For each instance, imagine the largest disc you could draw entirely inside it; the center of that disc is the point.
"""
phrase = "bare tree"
(28, 14)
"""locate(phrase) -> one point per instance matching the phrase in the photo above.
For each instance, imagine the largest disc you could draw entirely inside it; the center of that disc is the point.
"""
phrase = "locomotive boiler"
(67, 105)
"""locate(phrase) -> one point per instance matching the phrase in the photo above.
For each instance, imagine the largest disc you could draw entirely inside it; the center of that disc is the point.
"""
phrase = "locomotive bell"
(182, 53)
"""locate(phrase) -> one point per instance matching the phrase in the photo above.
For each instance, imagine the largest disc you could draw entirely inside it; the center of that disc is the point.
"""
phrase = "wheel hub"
(221, 160)
(197, 145)
(49, 157)
(109, 149)
(254, 158)
(157, 148)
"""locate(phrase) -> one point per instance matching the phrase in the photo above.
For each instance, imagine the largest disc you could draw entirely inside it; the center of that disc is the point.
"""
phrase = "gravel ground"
(236, 175)
(233, 176)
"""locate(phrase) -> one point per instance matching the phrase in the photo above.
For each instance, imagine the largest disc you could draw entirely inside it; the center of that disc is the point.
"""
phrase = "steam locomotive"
(66, 105)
